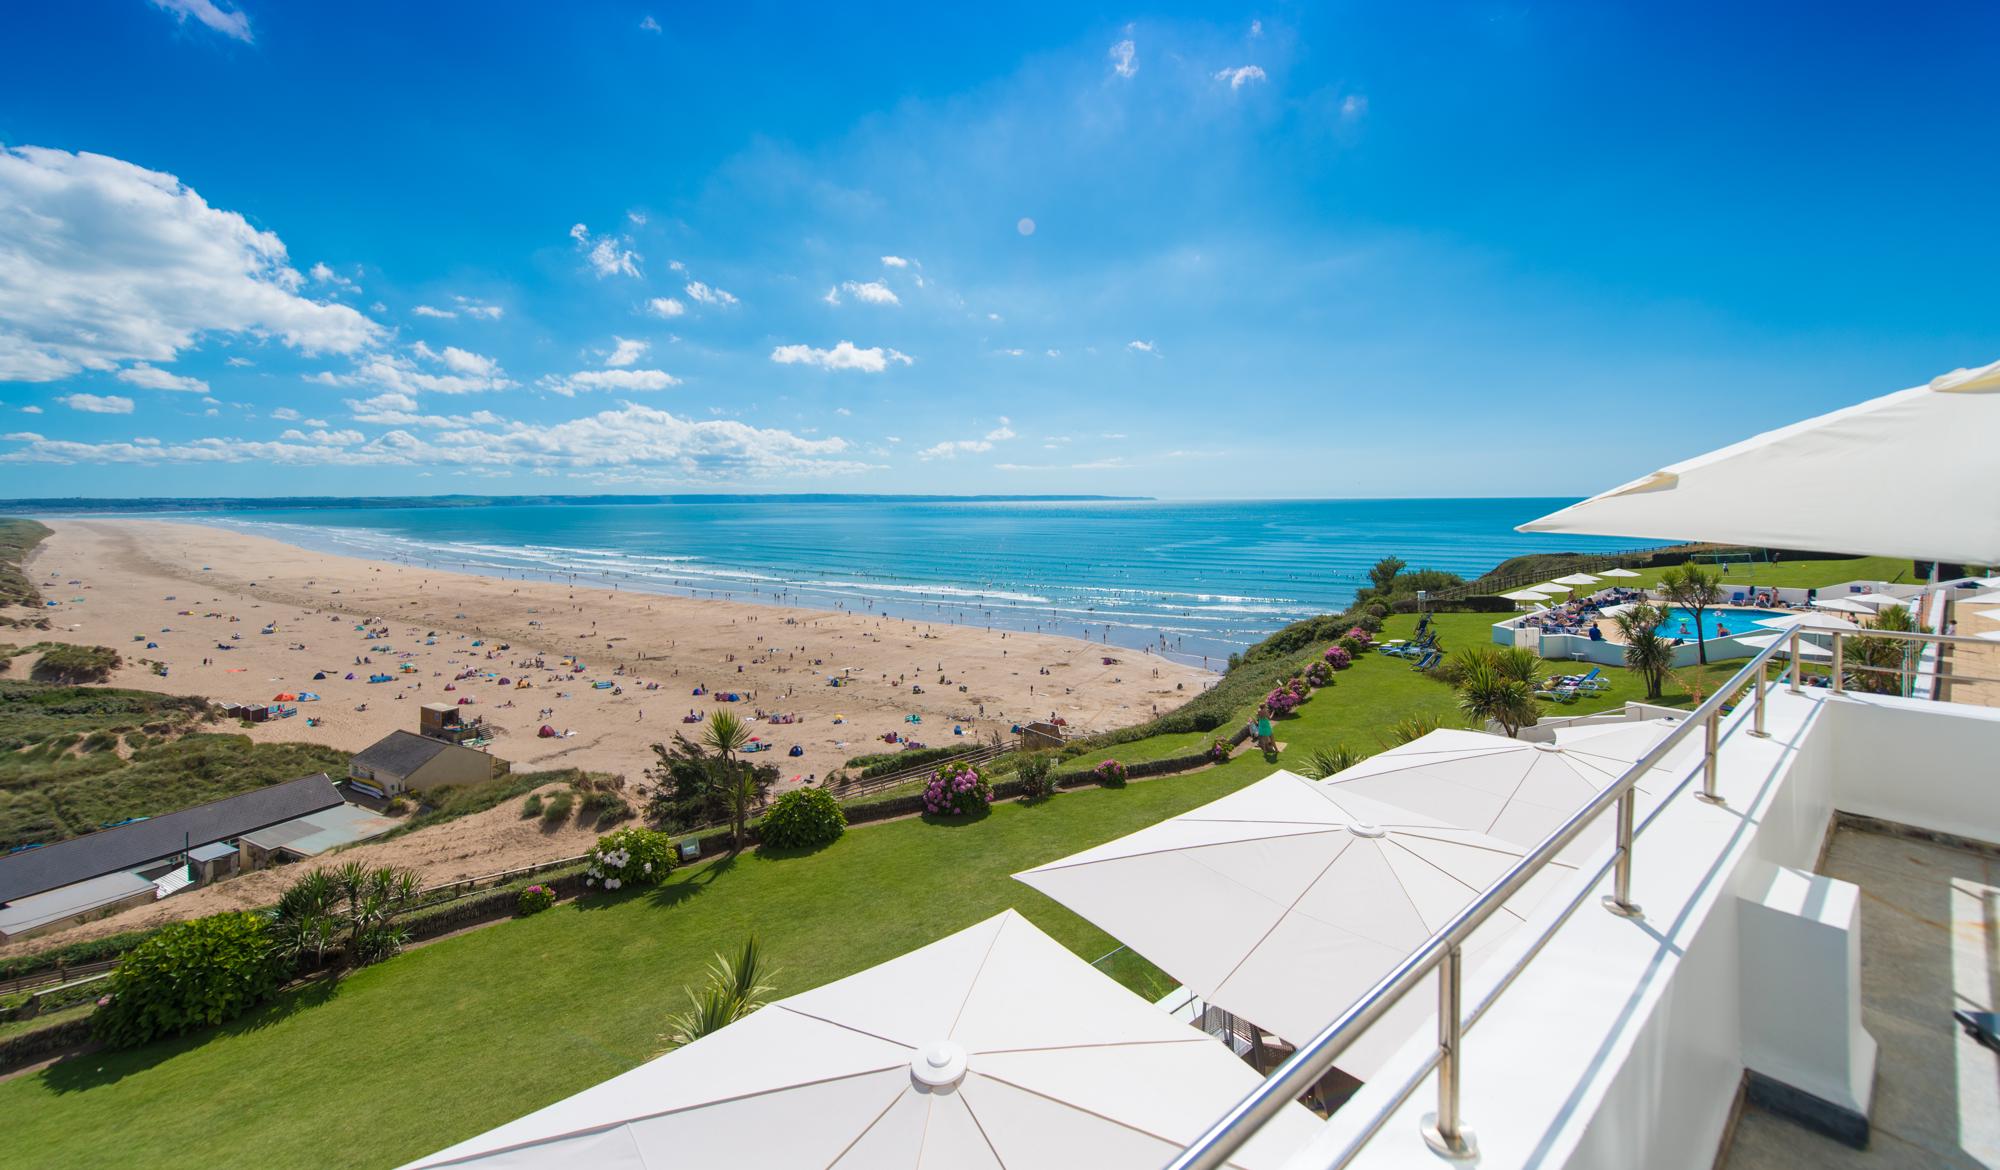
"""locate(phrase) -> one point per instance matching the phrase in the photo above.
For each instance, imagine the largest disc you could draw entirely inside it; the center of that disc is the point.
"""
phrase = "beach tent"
(547, 732)
(1284, 901)
(1577, 579)
(1517, 790)
(1764, 492)
(991, 1049)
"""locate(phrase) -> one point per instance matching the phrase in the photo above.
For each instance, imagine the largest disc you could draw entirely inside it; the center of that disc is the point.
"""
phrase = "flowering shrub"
(1319, 674)
(1298, 687)
(1281, 701)
(957, 790)
(1110, 773)
(1352, 646)
(630, 857)
(804, 818)
(1218, 751)
(1338, 658)
(1360, 635)
(535, 899)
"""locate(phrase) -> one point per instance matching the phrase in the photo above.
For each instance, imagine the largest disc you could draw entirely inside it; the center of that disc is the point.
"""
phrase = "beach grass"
(18, 538)
(479, 1028)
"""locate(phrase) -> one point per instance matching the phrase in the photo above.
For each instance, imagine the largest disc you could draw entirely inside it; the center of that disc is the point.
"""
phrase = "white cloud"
(1054, 353)
(468, 373)
(832, 296)
(608, 255)
(345, 438)
(953, 448)
(1256, 28)
(844, 356)
(31, 410)
(322, 274)
(428, 311)
(22, 437)
(230, 22)
(874, 292)
(464, 361)
(665, 307)
(107, 262)
(1143, 347)
(1003, 432)
(627, 352)
(629, 444)
(239, 362)
(625, 381)
(1240, 76)
(1124, 58)
(842, 411)
(153, 378)
(895, 262)
(286, 414)
(650, 25)
(707, 295)
(474, 307)
(95, 404)
(1352, 107)
(1010, 352)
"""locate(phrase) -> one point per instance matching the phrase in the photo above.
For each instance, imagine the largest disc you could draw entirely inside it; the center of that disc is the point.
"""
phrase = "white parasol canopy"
(1284, 901)
(1526, 595)
(1769, 491)
(993, 1047)
(1514, 789)
(1986, 598)
(1577, 579)
(1617, 573)
(1807, 622)
(1876, 602)
(1552, 587)
(1811, 650)
(1844, 605)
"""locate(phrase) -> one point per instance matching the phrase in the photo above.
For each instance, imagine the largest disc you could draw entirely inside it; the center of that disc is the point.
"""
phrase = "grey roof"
(212, 852)
(25, 914)
(314, 834)
(398, 754)
(130, 846)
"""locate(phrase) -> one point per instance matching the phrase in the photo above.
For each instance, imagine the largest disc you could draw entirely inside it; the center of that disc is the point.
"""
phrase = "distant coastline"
(86, 506)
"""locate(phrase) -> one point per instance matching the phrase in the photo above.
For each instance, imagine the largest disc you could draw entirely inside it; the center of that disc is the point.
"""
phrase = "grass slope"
(17, 539)
(478, 1029)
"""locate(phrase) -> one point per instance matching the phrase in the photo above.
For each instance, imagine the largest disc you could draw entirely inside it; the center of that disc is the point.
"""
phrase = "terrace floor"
(1930, 945)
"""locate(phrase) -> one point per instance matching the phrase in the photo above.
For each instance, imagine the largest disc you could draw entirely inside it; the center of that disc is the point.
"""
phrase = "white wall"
(1898, 761)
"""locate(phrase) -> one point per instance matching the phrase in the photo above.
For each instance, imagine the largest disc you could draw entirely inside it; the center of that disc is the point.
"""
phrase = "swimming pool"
(1680, 623)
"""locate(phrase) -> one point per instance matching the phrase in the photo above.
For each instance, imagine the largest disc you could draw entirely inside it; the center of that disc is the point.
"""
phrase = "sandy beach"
(287, 614)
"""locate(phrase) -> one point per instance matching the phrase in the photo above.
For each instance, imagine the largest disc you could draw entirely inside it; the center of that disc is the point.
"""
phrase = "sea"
(1193, 580)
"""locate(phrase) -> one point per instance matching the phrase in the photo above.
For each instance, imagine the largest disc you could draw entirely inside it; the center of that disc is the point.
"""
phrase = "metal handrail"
(1442, 952)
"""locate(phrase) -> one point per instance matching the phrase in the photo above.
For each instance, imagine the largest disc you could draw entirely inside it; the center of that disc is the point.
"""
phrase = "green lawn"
(1796, 574)
(474, 1030)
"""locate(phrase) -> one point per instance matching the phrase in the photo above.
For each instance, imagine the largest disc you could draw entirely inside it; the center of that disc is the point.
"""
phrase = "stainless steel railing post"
(1443, 1130)
(1711, 737)
(1839, 660)
(1795, 662)
(1761, 685)
(1619, 900)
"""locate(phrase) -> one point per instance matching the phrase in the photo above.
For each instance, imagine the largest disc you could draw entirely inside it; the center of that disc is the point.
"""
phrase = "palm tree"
(1409, 729)
(1886, 658)
(1485, 693)
(736, 987)
(1693, 589)
(1646, 653)
(361, 903)
(1324, 762)
(308, 920)
(1518, 663)
(725, 735)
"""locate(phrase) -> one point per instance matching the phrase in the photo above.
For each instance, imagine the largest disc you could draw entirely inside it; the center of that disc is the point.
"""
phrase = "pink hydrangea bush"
(1338, 658)
(1282, 701)
(1110, 773)
(957, 790)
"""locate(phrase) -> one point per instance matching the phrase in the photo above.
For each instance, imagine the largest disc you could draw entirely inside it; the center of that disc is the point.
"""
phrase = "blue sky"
(1330, 250)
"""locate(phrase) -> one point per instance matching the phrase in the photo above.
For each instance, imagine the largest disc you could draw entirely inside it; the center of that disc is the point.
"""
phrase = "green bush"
(804, 818)
(531, 807)
(1110, 773)
(630, 857)
(535, 899)
(555, 810)
(1037, 776)
(189, 975)
(604, 807)
(883, 763)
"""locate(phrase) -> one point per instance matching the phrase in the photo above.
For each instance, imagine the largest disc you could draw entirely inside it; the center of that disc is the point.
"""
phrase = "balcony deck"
(1930, 945)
